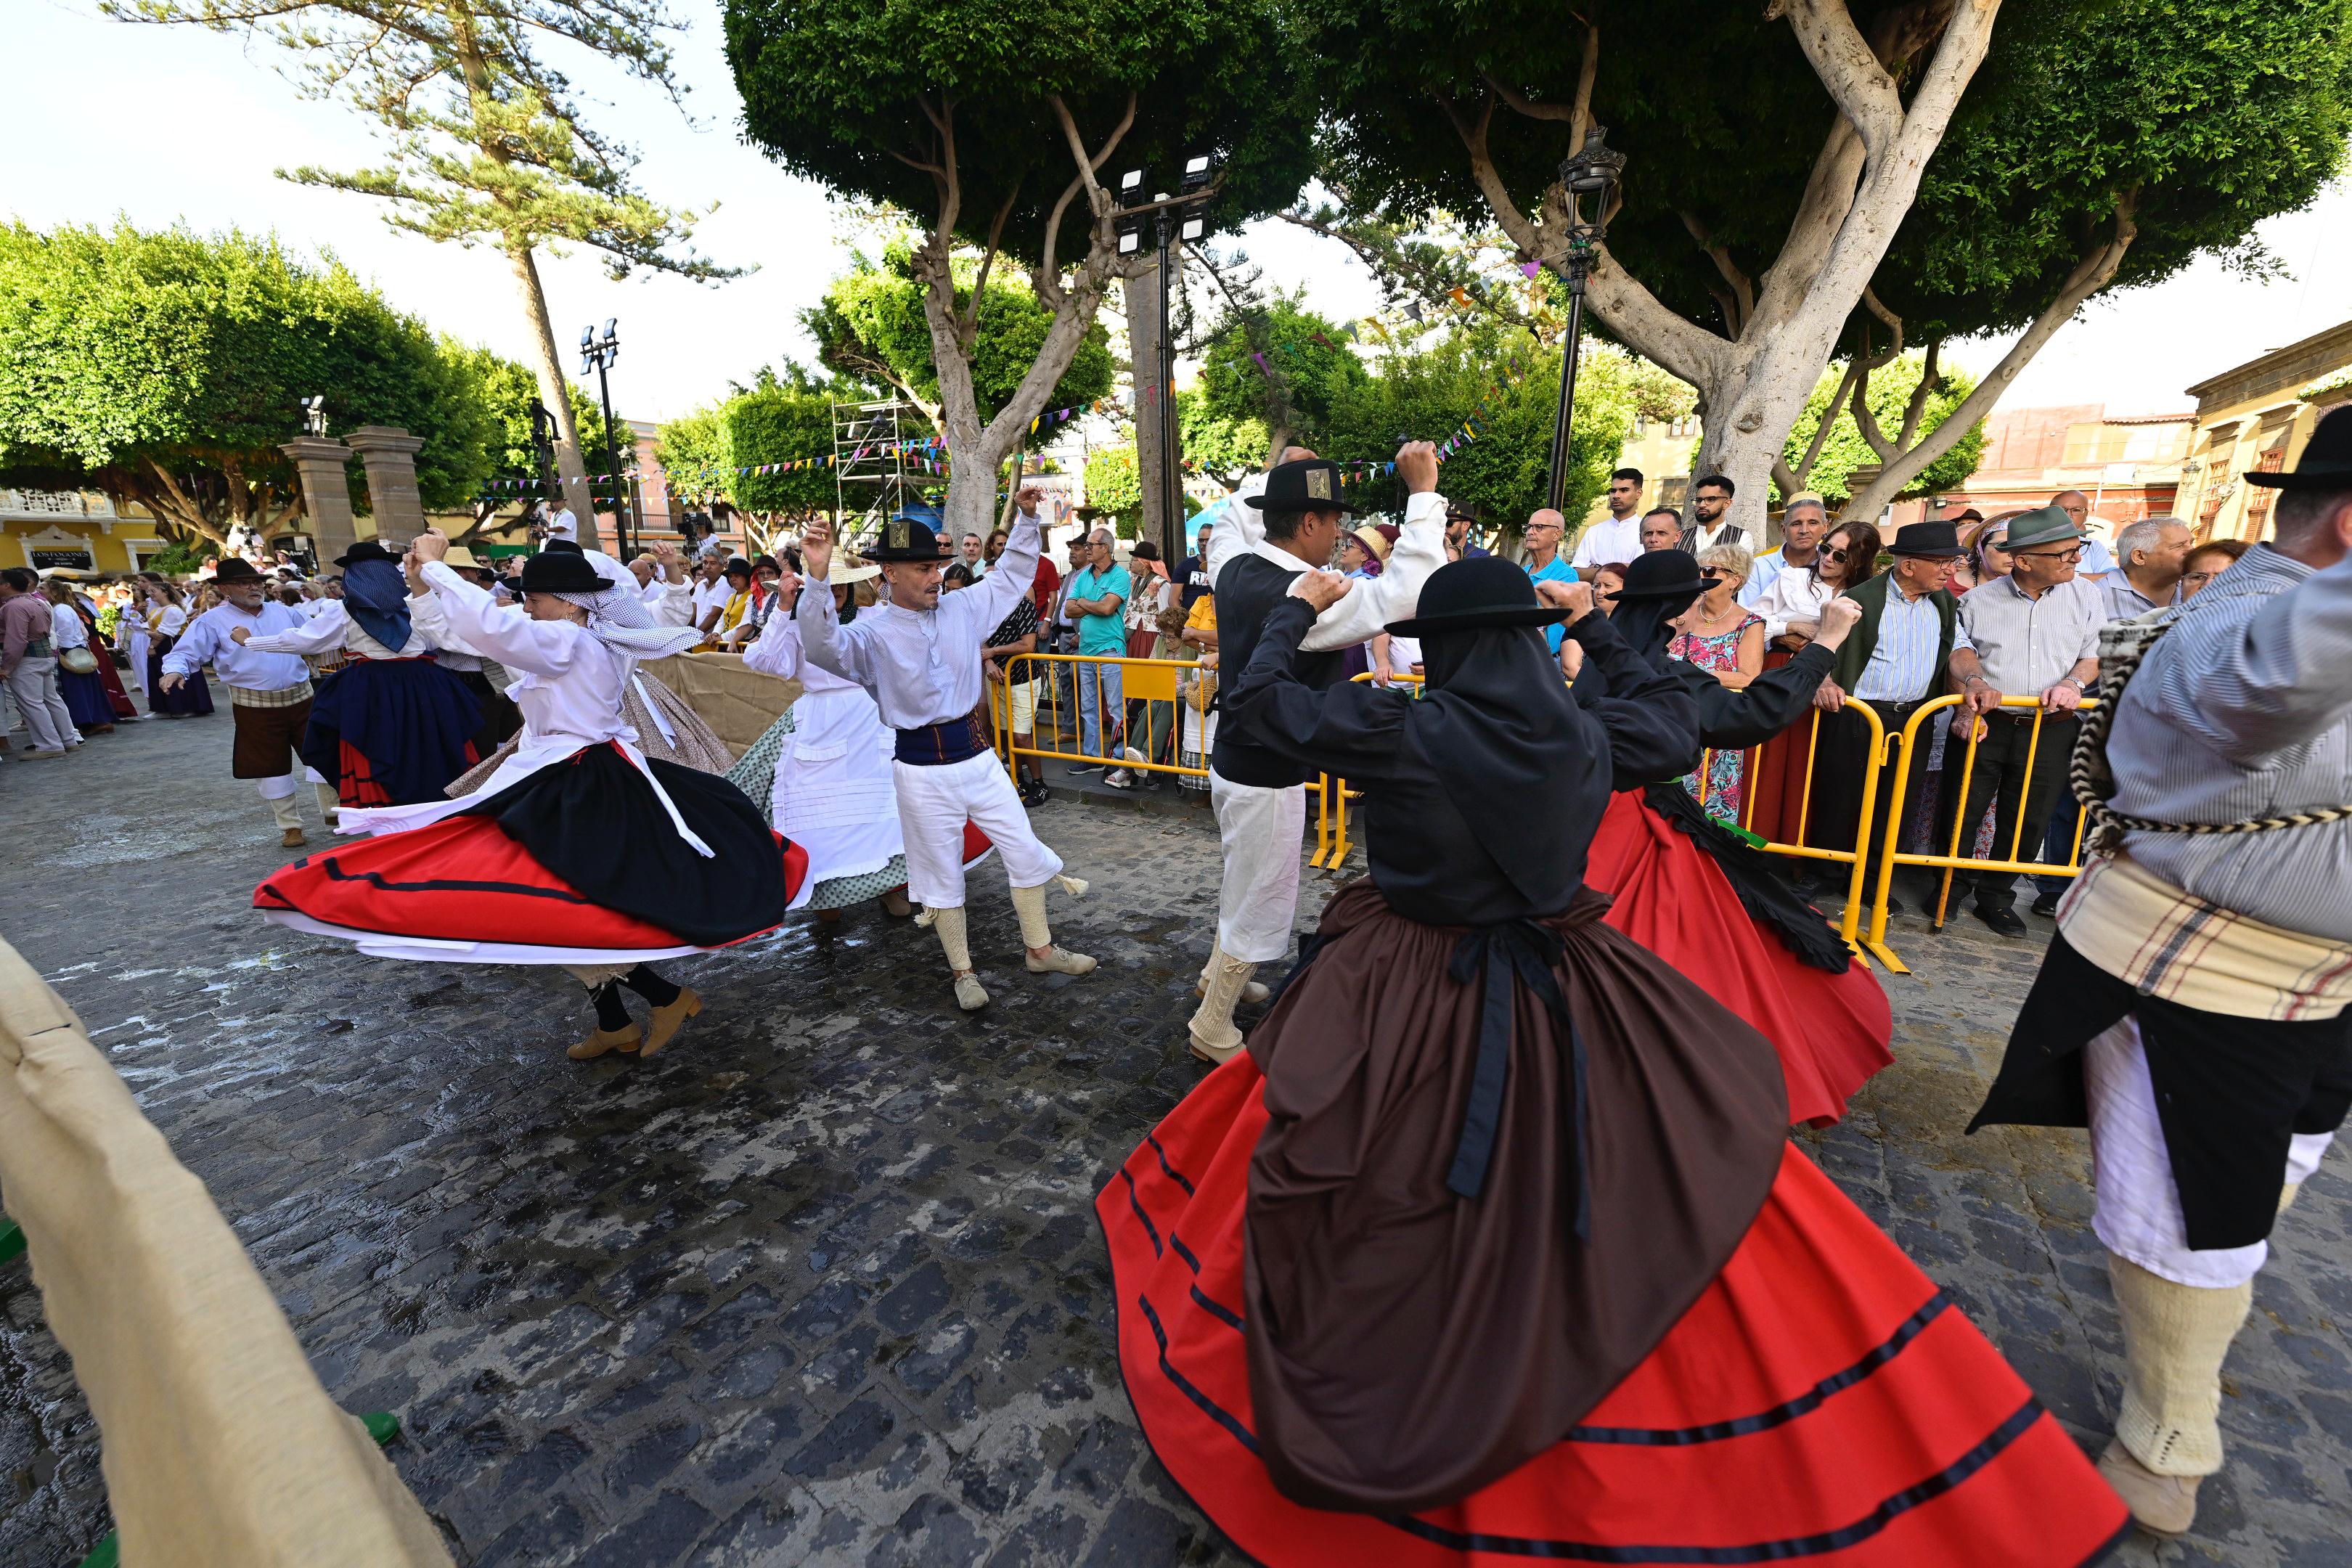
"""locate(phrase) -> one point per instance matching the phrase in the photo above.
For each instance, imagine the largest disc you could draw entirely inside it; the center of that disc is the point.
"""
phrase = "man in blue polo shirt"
(1545, 564)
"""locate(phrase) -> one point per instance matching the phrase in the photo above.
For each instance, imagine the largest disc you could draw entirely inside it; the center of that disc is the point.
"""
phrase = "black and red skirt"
(1831, 1030)
(392, 731)
(1822, 1401)
(578, 862)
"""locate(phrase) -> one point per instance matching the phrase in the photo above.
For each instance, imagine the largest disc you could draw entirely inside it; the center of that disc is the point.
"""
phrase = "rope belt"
(1530, 951)
(935, 745)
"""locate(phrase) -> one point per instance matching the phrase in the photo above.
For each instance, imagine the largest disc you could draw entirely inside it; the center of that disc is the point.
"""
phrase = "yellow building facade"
(2256, 417)
(80, 529)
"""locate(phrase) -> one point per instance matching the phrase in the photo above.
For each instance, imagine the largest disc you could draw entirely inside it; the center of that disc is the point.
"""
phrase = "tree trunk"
(1011, 489)
(1142, 296)
(553, 390)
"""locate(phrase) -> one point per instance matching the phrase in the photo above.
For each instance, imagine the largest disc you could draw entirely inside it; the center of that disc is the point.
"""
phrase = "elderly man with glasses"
(1544, 561)
(1803, 525)
(2032, 633)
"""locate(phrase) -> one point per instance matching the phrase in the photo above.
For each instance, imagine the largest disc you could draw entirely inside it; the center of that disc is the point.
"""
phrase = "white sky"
(169, 125)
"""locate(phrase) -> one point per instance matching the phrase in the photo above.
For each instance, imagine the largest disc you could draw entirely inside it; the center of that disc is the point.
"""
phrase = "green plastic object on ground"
(12, 1241)
(382, 1425)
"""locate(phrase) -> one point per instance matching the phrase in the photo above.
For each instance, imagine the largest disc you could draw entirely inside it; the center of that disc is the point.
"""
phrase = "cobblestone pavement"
(822, 1284)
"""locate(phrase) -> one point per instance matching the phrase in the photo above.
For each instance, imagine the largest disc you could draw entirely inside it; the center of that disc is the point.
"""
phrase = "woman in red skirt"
(1704, 899)
(577, 851)
(1492, 1247)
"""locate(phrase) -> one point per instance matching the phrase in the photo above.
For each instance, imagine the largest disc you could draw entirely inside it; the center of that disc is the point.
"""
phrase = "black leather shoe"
(2002, 918)
(2047, 905)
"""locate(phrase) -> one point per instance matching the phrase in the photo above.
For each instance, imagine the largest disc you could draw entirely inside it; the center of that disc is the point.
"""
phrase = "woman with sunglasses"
(1791, 607)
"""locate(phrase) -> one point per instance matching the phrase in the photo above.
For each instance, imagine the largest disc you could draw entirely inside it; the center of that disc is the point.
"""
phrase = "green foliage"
(862, 98)
(1111, 480)
(871, 325)
(164, 368)
(697, 452)
(1285, 366)
(1219, 444)
(1431, 387)
(182, 556)
(509, 390)
(775, 423)
(1844, 450)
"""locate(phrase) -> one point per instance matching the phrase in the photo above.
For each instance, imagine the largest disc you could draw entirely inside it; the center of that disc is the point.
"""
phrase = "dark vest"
(1248, 588)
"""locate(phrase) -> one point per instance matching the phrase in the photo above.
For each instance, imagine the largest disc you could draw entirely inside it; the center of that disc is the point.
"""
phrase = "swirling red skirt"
(1831, 1030)
(1821, 1403)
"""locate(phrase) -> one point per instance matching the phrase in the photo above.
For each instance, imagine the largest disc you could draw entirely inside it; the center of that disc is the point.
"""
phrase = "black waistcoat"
(1248, 588)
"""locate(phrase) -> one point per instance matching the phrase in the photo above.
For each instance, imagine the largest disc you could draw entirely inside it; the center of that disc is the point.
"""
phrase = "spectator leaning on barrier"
(2032, 633)
(2208, 562)
(1894, 660)
(2151, 557)
(1094, 602)
(1802, 524)
(1616, 537)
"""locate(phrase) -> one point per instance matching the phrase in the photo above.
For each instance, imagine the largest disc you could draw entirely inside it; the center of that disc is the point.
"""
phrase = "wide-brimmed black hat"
(237, 569)
(2325, 463)
(1467, 596)
(560, 571)
(366, 550)
(1661, 574)
(1310, 484)
(1934, 537)
(906, 539)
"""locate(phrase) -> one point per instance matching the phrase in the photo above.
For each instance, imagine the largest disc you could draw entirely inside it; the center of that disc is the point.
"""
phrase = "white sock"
(950, 925)
(1029, 903)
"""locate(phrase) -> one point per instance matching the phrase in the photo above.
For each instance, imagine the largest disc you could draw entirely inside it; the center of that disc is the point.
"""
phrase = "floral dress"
(1719, 794)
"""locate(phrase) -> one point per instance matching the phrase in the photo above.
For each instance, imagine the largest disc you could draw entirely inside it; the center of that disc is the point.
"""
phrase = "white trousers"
(1257, 896)
(2139, 1213)
(934, 803)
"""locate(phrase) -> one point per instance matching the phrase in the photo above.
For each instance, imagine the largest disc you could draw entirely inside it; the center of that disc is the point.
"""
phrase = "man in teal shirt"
(1545, 564)
(1096, 602)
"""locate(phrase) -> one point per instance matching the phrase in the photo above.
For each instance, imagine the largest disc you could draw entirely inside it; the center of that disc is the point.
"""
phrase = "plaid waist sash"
(934, 745)
(2169, 942)
(284, 697)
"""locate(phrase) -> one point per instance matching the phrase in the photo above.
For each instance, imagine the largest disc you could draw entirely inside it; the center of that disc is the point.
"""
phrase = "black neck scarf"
(1500, 730)
(1644, 625)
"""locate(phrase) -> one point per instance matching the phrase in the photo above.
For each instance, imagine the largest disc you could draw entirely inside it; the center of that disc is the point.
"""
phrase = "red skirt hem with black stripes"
(1822, 1401)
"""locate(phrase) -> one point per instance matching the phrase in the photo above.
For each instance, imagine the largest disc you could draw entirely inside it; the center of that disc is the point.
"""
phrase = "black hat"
(1932, 538)
(563, 547)
(1661, 574)
(560, 571)
(237, 569)
(2326, 460)
(366, 550)
(905, 538)
(1310, 484)
(1467, 595)
(737, 563)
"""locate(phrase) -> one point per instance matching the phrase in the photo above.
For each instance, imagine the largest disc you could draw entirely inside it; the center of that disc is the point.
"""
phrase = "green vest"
(1853, 657)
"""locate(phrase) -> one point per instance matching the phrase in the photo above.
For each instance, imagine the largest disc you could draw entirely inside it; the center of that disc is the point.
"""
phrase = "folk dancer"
(270, 694)
(578, 851)
(1493, 1247)
(1271, 530)
(2191, 1010)
(392, 726)
(920, 654)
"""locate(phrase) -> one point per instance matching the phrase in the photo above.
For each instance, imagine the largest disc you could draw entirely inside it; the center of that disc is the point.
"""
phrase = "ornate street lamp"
(1592, 173)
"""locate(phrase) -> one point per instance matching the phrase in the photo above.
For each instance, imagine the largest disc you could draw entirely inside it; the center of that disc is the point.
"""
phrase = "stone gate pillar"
(325, 493)
(390, 456)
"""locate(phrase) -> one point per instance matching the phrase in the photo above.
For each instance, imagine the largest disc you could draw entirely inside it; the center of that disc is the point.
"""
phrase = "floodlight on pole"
(1591, 175)
(599, 354)
(314, 414)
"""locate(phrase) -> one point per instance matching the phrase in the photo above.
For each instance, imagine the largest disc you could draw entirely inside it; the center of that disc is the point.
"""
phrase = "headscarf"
(375, 593)
(618, 618)
(1642, 623)
(1500, 726)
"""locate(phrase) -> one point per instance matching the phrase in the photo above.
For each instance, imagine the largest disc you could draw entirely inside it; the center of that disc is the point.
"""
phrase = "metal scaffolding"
(871, 477)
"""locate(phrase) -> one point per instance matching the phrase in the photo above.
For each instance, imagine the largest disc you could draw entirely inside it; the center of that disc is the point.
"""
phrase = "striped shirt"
(1902, 664)
(2121, 600)
(2241, 711)
(2027, 644)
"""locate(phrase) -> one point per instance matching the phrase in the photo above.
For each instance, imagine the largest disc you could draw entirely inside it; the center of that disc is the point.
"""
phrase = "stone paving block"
(822, 1283)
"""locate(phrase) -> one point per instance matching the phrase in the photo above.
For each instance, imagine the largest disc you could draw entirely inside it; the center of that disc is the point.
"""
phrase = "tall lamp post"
(599, 353)
(1593, 172)
(1177, 218)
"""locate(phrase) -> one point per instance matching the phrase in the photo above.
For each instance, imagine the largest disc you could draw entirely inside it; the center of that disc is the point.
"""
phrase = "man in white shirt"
(711, 592)
(1803, 525)
(1277, 527)
(1617, 536)
(269, 693)
(919, 654)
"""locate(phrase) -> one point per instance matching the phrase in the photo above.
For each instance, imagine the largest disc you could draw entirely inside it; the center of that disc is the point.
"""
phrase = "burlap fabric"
(738, 703)
(221, 1449)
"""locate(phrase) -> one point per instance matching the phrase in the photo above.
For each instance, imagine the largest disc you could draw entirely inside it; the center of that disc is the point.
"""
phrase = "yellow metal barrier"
(1939, 710)
(1150, 680)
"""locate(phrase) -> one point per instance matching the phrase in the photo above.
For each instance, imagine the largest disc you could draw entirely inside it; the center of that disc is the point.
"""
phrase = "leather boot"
(667, 1020)
(1214, 1038)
